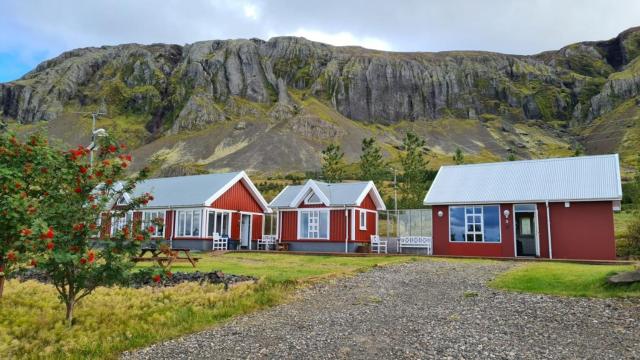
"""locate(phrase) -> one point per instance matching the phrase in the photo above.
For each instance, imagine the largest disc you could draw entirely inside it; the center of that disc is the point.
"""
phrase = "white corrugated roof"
(563, 179)
(336, 194)
(196, 190)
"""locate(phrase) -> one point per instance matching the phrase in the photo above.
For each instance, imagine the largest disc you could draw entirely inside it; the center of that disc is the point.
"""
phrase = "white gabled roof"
(340, 194)
(580, 178)
(196, 190)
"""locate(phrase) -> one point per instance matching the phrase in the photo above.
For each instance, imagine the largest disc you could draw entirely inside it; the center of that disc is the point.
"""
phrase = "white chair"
(267, 242)
(219, 242)
(378, 245)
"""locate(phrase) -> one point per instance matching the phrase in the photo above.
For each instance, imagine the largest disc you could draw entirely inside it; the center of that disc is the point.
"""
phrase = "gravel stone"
(420, 310)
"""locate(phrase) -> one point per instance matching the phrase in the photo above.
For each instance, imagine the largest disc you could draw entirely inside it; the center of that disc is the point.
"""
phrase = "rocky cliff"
(222, 103)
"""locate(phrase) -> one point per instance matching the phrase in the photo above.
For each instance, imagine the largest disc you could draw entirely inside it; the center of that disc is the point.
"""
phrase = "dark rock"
(625, 277)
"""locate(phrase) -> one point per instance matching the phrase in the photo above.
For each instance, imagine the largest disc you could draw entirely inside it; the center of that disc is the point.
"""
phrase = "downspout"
(549, 229)
(173, 226)
(346, 229)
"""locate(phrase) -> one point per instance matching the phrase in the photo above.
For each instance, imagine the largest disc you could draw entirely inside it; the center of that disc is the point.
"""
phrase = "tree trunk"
(70, 304)
(1, 285)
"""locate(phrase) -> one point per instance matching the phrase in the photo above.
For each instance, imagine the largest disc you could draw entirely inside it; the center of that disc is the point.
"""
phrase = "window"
(188, 223)
(363, 219)
(219, 223)
(474, 223)
(150, 218)
(313, 224)
(312, 199)
(119, 222)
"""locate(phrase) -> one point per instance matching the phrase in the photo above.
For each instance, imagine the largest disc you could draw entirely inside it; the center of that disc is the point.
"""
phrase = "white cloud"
(251, 11)
(343, 38)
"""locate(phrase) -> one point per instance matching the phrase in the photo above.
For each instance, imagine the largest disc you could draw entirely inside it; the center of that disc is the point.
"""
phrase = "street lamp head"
(100, 132)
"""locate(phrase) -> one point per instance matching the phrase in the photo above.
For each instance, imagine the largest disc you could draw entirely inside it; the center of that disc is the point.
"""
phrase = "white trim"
(482, 227)
(310, 185)
(362, 225)
(377, 199)
(223, 212)
(319, 210)
(353, 224)
(549, 230)
(523, 201)
(311, 194)
(112, 223)
(164, 225)
(618, 176)
(199, 236)
(250, 215)
(241, 176)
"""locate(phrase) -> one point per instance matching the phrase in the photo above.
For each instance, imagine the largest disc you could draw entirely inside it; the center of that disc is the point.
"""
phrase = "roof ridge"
(567, 158)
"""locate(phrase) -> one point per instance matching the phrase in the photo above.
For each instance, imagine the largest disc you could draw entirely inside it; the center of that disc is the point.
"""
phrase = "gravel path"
(426, 309)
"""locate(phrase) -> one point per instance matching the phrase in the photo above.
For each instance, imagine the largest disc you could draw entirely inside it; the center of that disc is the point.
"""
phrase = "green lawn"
(280, 267)
(116, 319)
(565, 279)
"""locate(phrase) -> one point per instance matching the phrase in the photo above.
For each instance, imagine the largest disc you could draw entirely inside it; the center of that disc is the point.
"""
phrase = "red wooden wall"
(584, 230)
(238, 198)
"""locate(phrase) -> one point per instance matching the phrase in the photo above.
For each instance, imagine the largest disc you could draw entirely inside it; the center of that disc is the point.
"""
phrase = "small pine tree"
(333, 163)
(511, 157)
(458, 157)
(414, 184)
(372, 166)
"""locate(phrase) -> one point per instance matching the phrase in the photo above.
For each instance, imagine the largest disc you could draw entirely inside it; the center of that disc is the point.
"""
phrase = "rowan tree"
(66, 203)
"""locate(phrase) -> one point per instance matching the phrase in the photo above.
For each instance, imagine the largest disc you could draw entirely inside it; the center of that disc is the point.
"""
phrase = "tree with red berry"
(64, 238)
(24, 180)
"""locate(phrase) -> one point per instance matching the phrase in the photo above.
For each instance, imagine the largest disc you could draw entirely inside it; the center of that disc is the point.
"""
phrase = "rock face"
(365, 85)
(184, 88)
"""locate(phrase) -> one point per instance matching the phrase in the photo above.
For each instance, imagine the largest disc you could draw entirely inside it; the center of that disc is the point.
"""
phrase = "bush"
(629, 245)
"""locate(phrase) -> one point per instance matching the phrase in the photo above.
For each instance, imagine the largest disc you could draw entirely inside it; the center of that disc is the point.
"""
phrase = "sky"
(35, 30)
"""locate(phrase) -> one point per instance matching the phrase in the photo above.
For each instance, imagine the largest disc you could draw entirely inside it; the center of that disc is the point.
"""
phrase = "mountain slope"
(272, 105)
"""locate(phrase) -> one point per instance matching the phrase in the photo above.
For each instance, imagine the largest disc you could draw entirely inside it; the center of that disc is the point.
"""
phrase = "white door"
(245, 230)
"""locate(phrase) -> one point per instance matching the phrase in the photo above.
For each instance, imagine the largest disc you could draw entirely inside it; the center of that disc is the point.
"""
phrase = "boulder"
(628, 277)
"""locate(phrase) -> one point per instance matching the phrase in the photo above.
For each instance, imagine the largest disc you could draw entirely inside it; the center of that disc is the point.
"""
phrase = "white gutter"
(549, 229)
(346, 229)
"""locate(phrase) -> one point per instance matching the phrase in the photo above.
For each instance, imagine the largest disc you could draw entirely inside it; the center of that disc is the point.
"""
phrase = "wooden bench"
(378, 245)
(420, 242)
(166, 257)
(267, 242)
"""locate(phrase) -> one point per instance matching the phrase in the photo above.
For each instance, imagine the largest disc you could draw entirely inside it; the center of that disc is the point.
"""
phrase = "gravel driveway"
(426, 309)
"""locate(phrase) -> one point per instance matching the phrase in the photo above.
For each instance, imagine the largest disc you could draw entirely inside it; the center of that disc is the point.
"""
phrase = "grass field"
(565, 279)
(113, 320)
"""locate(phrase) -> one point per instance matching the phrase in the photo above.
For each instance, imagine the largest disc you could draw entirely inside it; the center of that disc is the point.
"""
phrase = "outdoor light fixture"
(440, 213)
(506, 214)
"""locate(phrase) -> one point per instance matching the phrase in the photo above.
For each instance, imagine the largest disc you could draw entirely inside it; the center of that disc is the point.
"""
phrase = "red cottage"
(195, 207)
(552, 208)
(318, 216)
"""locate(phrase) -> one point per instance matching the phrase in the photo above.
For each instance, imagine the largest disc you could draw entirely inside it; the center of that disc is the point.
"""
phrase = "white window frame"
(362, 219)
(215, 213)
(116, 225)
(145, 223)
(474, 233)
(312, 211)
(177, 223)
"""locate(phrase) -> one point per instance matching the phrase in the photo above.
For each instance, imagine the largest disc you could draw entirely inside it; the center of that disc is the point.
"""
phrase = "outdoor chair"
(220, 242)
(378, 245)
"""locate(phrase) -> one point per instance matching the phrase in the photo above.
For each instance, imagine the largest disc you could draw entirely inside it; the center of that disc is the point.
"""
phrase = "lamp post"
(95, 133)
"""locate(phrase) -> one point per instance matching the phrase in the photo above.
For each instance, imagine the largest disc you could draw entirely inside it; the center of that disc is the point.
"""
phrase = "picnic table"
(166, 257)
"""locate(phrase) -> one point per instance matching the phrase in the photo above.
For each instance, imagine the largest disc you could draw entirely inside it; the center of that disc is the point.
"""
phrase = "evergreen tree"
(458, 157)
(333, 164)
(511, 157)
(372, 166)
(414, 184)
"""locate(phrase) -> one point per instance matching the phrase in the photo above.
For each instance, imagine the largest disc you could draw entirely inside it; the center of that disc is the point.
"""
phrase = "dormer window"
(312, 199)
